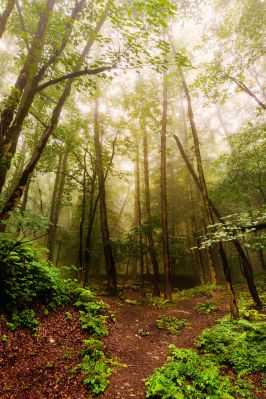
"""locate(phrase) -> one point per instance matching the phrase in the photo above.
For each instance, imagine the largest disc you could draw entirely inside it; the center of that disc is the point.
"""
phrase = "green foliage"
(24, 318)
(91, 309)
(94, 366)
(131, 301)
(201, 290)
(26, 278)
(4, 339)
(157, 301)
(188, 375)
(206, 307)
(240, 344)
(172, 324)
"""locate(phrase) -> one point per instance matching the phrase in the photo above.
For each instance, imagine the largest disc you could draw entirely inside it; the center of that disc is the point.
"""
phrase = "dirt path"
(142, 354)
(40, 367)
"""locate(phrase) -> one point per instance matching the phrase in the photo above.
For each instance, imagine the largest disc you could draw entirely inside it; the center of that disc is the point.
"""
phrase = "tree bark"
(200, 169)
(138, 215)
(166, 252)
(56, 202)
(247, 268)
(5, 15)
(108, 254)
(150, 242)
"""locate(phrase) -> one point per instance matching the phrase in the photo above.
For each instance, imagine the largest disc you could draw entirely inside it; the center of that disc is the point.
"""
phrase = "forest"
(132, 199)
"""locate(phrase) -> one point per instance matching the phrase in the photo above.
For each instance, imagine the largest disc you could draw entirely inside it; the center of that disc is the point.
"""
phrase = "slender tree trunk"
(56, 203)
(93, 203)
(246, 265)
(108, 254)
(152, 253)
(81, 227)
(195, 228)
(200, 169)
(166, 252)
(139, 216)
(5, 15)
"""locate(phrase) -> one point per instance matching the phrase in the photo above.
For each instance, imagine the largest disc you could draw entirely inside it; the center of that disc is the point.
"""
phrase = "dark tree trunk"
(138, 216)
(166, 252)
(56, 202)
(5, 15)
(108, 254)
(247, 268)
(150, 242)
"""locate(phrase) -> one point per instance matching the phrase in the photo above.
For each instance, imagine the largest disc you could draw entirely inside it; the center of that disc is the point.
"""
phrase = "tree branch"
(73, 75)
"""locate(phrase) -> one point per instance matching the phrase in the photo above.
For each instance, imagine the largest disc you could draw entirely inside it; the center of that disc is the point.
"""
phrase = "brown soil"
(40, 367)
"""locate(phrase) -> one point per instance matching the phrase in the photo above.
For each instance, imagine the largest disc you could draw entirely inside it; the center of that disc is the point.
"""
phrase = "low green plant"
(94, 366)
(4, 339)
(68, 316)
(206, 307)
(157, 301)
(143, 333)
(91, 312)
(188, 375)
(240, 344)
(131, 301)
(171, 323)
(25, 318)
(200, 290)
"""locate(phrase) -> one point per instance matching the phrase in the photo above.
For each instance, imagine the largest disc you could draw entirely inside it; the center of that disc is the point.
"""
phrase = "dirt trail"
(142, 354)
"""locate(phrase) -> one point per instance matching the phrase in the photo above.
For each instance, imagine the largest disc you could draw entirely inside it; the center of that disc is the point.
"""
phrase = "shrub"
(94, 366)
(206, 307)
(188, 375)
(201, 290)
(240, 344)
(91, 312)
(172, 324)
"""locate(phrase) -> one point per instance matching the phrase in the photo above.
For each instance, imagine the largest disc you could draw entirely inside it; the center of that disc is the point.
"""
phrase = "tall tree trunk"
(19, 189)
(200, 169)
(191, 194)
(93, 203)
(56, 202)
(152, 253)
(108, 254)
(138, 215)
(5, 15)
(81, 227)
(10, 131)
(247, 268)
(166, 252)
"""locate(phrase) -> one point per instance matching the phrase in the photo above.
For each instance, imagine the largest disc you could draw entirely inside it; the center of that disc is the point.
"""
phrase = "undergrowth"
(171, 324)
(206, 307)
(188, 375)
(240, 344)
(200, 290)
(94, 366)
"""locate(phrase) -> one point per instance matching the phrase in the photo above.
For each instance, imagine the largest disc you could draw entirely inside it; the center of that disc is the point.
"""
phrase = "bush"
(240, 344)
(91, 312)
(172, 324)
(26, 278)
(188, 375)
(206, 307)
(94, 366)
(201, 290)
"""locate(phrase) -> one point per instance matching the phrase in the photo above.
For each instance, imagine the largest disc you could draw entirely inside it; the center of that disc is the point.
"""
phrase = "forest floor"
(40, 367)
